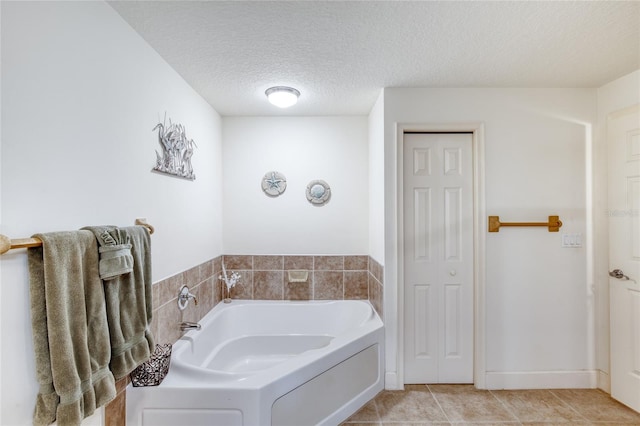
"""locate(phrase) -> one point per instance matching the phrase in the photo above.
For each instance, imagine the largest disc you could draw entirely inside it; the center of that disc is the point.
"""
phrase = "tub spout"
(184, 326)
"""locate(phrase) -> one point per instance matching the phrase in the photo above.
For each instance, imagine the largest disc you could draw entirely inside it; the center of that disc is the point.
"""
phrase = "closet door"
(438, 257)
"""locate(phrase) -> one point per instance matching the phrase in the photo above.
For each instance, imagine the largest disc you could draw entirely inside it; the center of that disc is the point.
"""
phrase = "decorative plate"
(274, 184)
(318, 192)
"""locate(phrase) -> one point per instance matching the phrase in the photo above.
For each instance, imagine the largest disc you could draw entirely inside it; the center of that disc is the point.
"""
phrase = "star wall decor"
(274, 184)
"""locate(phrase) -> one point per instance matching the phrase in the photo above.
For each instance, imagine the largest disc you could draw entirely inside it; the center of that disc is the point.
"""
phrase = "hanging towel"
(129, 300)
(115, 251)
(70, 329)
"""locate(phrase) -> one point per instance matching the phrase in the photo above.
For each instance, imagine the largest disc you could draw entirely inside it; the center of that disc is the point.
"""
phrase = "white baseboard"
(604, 381)
(542, 380)
(391, 381)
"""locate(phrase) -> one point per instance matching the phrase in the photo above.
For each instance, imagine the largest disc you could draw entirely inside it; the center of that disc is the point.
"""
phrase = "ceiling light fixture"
(282, 96)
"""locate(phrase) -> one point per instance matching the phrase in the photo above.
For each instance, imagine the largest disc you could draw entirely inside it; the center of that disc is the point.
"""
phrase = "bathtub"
(259, 363)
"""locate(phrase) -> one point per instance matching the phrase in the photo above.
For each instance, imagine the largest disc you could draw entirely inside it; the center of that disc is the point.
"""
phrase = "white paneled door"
(438, 257)
(623, 138)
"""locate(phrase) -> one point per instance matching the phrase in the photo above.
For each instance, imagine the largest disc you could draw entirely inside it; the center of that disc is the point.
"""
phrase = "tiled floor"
(421, 405)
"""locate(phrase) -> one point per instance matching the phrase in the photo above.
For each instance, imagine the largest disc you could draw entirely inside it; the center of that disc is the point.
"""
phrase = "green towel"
(115, 251)
(129, 300)
(70, 329)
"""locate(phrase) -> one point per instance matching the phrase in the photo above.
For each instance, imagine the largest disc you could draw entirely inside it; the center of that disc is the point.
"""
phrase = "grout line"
(174, 300)
(282, 286)
(438, 403)
(569, 405)
(344, 290)
(505, 406)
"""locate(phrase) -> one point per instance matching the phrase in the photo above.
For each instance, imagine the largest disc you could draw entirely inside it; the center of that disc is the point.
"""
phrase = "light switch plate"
(572, 239)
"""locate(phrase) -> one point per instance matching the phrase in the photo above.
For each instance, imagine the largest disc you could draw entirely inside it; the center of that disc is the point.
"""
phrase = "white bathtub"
(269, 363)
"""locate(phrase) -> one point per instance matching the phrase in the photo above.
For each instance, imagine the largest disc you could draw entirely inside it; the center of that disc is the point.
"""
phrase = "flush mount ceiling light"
(282, 96)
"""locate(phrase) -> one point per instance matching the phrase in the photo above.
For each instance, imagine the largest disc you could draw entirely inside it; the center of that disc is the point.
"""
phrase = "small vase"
(226, 292)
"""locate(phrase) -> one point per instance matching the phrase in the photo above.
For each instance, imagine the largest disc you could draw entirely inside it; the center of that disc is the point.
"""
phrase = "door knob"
(617, 273)
(452, 272)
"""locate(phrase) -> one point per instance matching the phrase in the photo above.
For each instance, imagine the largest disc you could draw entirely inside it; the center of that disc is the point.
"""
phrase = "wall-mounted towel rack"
(553, 224)
(7, 243)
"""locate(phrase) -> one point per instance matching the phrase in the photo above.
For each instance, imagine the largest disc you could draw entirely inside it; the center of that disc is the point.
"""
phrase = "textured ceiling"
(340, 54)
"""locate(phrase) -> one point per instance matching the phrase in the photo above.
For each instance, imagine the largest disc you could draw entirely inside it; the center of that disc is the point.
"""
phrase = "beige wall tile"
(115, 412)
(298, 262)
(154, 325)
(217, 265)
(244, 288)
(191, 277)
(297, 291)
(268, 285)
(206, 270)
(189, 314)
(328, 285)
(356, 285)
(204, 293)
(268, 263)
(155, 295)
(375, 296)
(238, 262)
(376, 270)
(328, 263)
(356, 263)
(217, 290)
(169, 288)
(168, 323)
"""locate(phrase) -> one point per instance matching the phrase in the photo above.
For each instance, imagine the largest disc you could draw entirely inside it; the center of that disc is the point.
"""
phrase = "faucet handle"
(184, 296)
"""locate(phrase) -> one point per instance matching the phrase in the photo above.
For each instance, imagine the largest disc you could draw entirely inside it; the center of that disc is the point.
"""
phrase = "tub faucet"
(184, 326)
(184, 296)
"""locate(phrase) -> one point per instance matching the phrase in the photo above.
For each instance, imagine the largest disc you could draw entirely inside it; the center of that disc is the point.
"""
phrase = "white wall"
(376, 180)
(333, 149)
(616, 95)
(538, 298)
(81, 92)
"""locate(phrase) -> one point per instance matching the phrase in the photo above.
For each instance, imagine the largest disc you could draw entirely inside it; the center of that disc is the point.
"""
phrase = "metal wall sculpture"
(177, 150)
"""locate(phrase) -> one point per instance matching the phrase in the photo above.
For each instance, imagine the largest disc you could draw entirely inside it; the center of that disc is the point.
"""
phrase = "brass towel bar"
(7, 244)
(553, 224)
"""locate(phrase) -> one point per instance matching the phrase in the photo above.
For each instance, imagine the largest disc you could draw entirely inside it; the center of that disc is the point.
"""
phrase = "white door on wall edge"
(438, 257)
(623, 139)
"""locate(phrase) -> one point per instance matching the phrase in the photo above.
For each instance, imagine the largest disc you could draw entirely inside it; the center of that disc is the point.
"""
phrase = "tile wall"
(264, 278)
(202, 282)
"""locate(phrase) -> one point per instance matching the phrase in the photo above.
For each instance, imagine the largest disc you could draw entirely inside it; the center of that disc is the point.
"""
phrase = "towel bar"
(7, 243)
(553, 224)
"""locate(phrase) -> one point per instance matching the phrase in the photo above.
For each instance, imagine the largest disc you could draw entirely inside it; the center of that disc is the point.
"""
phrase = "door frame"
(479, 240)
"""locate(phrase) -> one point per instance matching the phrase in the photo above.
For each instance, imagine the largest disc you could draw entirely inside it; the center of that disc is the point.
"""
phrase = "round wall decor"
(274, 184)
(318, 192)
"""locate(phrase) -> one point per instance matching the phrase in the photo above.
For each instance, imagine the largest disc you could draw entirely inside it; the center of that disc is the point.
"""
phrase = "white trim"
(391, 381)
(542, 380)
(479, 244)
(604, 381)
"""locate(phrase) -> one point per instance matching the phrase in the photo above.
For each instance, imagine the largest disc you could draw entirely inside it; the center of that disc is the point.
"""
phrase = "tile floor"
(420, 405)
